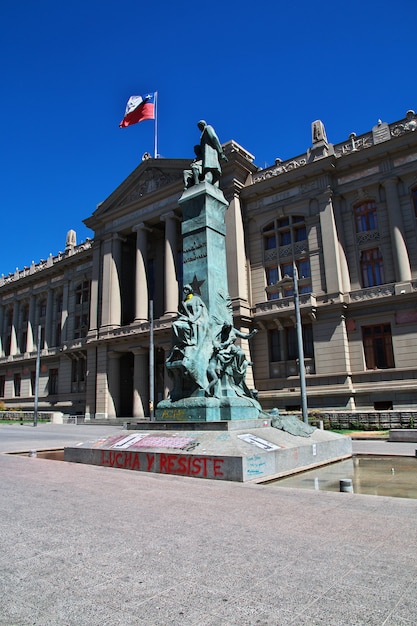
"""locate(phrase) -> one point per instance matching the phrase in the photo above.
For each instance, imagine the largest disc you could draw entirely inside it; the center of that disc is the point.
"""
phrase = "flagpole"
(156, 127)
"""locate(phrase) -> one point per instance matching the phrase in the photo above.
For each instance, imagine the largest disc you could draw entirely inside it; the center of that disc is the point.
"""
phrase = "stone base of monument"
(207, 409)
(248, 450)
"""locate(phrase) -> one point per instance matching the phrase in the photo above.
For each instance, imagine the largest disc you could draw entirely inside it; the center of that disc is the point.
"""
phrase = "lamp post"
(300, 347)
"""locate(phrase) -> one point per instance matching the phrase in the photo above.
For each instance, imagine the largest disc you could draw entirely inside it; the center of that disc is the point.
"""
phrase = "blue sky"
(259, 73)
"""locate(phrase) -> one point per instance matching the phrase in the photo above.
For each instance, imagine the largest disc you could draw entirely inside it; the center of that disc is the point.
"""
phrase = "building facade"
(343, 215)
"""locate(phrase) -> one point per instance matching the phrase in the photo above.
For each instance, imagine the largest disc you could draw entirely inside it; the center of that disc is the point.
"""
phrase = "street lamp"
(294, 281)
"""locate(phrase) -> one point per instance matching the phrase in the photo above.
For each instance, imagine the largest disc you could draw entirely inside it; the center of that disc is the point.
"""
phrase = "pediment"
(149, 178)
(149, 181)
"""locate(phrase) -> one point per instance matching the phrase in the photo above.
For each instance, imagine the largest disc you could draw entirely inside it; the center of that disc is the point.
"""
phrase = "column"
(141, 283)
(1, 329)
(90, 399)
(111, 301)
(399, 248)
(236, 253)
(344, 269)
(31, 325)
(113, 382)
(141, 382)
(64, 312)
(48, 318)
(13, 339)
(95, 278)
(330, 244)
(171, 282)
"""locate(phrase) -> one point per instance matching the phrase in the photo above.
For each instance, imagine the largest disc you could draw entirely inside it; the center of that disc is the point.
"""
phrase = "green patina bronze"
(206, 365)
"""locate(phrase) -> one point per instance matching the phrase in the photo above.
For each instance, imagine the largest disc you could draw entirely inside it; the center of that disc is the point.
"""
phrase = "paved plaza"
(93, 546)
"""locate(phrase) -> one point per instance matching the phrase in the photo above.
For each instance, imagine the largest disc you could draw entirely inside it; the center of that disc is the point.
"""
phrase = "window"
(365, 216)
(42, 308)
(270, 242)
(285, 241)
(271, 275)
(81, 326)
(33, 382)
(377, 344)
(292, 344)
(274, 345)
(2, 385)
(82, 292)
(17, 379)
(53, 382)
(372, 268)
(78, 373)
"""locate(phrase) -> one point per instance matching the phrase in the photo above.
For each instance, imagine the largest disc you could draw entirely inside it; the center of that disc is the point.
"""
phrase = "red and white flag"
(138, 109)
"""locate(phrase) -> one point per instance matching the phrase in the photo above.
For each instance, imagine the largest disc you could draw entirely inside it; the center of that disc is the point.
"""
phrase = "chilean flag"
(139, 108)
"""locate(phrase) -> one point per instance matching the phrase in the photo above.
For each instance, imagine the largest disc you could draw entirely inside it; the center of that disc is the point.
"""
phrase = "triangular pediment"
(151, 177)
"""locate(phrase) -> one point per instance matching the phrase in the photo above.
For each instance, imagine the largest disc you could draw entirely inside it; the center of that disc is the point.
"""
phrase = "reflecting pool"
(394, 476)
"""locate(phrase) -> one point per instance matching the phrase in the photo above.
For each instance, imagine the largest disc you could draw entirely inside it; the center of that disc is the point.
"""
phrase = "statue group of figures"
(205, 358)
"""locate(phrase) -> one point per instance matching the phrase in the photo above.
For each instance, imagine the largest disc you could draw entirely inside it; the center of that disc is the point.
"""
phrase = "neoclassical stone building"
(344, 214)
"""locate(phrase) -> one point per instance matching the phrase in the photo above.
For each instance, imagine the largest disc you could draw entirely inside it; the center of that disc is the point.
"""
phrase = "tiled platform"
(87, 546)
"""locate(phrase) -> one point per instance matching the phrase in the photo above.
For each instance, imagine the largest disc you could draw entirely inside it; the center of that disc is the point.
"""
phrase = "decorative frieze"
(380, 291)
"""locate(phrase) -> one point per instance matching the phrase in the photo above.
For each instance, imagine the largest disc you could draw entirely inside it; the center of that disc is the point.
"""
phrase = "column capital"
(169, 215)
(392, 180)
(114, 355)
(141, 226)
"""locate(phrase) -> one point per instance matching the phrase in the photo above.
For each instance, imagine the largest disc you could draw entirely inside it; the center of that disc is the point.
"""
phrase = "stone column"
(54, 319)
(113, 378)
(13, 338)
(236, 253)
(94, 293)
(141, 382)
(171, 282)
(398, 246)
(30, 342)
(48, 318)
(167, 380)
(90, 399)
(19, 329)
(141, 282)
(1, 329)
(330, 244)
(64, 312)
(111, 300)
(344, 269)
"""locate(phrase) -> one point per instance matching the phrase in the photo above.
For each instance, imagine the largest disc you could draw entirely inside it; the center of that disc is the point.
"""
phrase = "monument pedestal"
(203, 409)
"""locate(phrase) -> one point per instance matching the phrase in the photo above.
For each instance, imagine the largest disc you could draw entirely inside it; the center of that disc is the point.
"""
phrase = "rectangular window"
(2, 385)
(377, 345)
(33, 382)
(17, 379)
(292, 343)
(414, 198)
(271, 275)
(274, 345)
(270, 242)
(300, 234)
(285, 238)
(372, 268)
(366, 217)
(53, 382)
(303, 267)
